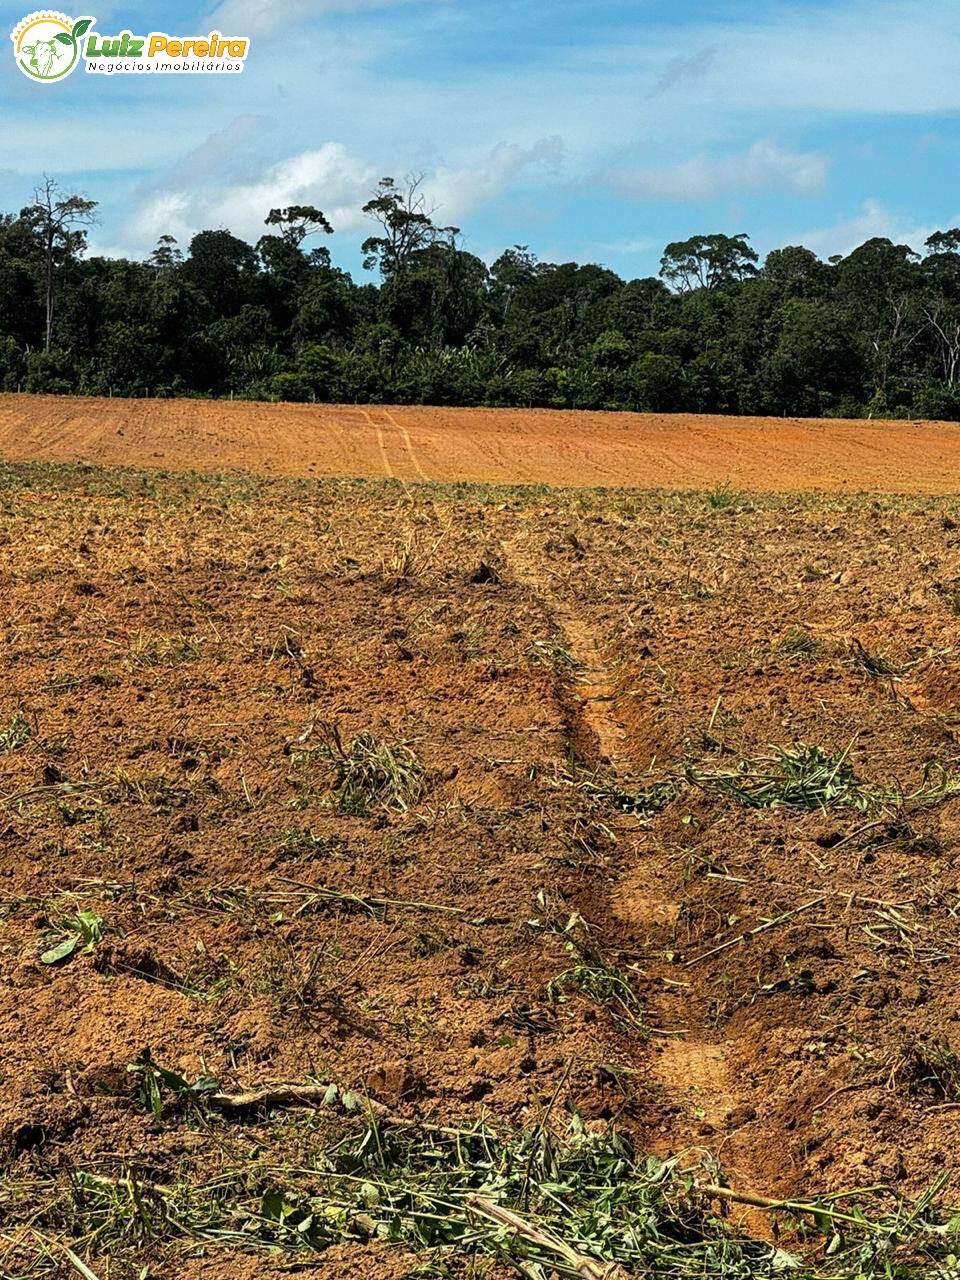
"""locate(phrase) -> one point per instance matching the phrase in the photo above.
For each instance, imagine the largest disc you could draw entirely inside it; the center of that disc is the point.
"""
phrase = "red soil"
(506, 446)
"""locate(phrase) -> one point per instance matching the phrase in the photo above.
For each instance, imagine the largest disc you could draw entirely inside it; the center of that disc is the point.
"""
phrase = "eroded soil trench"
(690, 1067)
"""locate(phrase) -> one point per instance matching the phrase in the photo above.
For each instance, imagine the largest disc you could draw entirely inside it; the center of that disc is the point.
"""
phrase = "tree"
(815, 364)
(223, 268)
(879, 283)
(876, 331)
(406, 224)
(59, 221)
(708, 262)
(944, 241)
(166, 255)
(514, 268)
(797, 271)
(21, 309)
(297, 222)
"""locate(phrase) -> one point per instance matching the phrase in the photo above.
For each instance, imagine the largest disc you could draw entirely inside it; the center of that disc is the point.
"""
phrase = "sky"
(589, 130)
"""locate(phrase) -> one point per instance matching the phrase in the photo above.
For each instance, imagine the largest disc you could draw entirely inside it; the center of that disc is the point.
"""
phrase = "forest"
(875, 333)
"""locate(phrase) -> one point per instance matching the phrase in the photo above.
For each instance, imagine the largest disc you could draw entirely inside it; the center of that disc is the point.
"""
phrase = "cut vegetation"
(337, 939)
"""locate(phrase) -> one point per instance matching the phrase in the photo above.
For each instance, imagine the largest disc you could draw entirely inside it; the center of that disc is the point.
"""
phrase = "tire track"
(592, 714)
(691, 1068)
(381, 444)
(408, 443)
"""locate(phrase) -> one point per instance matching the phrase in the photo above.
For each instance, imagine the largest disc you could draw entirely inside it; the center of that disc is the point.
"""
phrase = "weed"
(83, 930)
(548, 654)
(165, 651)
(720, 497)
(592, 972)
(877, 665)
(928, 1066)
(798, 643)
(799, 777)
(560, 1200)
(16, 735)
(297, 984)
(370, 773)
(642, 801)
(155, 1083)
(302, 844)
(605, 985)
(407, 559)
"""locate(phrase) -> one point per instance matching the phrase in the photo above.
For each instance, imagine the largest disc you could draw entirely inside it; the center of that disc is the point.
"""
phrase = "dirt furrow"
(595, 727)
(691, 1067)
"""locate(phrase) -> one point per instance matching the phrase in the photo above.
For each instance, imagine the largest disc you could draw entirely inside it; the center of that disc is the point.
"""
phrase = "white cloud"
(627, 247)
(873, 219)
(459, 190)
(764, 167)
(328, 176)
(431, 84)
(331, 177)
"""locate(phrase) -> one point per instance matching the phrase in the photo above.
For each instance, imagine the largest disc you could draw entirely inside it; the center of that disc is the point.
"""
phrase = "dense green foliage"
(874, 333)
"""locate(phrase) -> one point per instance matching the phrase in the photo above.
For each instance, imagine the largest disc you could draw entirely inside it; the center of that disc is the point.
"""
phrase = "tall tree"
(406, 226)
(297, 222)
(941, 300)
(166, 254)
(708, 262)
(879, 285)
(59, 220)
(224, 269)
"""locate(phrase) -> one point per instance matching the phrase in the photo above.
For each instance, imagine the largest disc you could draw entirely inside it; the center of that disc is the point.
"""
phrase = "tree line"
(873, 333)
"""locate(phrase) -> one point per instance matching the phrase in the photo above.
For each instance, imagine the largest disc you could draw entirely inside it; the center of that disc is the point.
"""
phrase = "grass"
(798, 643)
(641, 801)
(165, 651)
(798, 777)
(546, 653)
(15, 735)
(371, 773)
(805, 777)
(931, 1066)
(606, 986)
(720, 497)
(592, 972)
(875, 664)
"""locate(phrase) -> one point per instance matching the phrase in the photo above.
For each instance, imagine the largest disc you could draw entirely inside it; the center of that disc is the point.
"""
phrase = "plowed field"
(375, 856)
(486, 445)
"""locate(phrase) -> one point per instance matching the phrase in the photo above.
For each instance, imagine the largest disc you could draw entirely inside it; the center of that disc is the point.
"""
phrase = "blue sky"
(592, 130)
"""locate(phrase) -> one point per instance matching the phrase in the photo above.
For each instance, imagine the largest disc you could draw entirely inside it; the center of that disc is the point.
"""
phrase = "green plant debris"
(84, 931)
(371, 773)
(15, 735)
(552, 1201)
(155, 1083)
(609, 793)
(798, 643)
(800, 777)
(805, 777)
